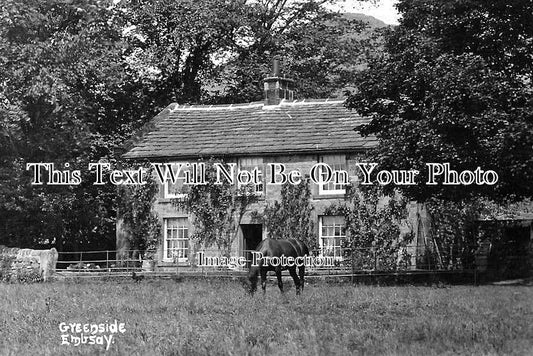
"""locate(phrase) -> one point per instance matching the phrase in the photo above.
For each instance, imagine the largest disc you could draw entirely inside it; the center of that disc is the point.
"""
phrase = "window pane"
(332, 233)
(336, 163)
(177, 233)
(251, 163)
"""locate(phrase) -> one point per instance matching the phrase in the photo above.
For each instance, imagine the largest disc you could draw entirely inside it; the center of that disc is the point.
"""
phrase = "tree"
(220, 51)
(173, 43)
(454, 86)
(319, 49)
(66, 98)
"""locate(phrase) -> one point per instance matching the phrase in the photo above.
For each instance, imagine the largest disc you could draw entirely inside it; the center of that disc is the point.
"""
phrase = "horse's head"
(250, 281)
(247, 285)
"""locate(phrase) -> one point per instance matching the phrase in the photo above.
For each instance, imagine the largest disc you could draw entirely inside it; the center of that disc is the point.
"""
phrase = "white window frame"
(249, 163)
(337, 249)
(166, 193)
(184, 227)
(336, 162)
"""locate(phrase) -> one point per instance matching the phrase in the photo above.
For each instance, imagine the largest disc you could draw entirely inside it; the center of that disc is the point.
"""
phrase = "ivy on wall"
(217, 209)
(291, 218)
(373, 236)
(135, 207)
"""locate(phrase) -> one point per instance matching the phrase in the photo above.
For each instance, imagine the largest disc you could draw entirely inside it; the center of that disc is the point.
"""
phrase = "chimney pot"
(278, 88)
(275, 68)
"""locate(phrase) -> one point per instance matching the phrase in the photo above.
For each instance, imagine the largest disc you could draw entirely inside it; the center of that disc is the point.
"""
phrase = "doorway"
(252, 235)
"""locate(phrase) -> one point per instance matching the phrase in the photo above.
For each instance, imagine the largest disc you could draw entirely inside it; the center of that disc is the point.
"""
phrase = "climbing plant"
(217, 209)
(135, 208)
(373, 234)
(291, 218)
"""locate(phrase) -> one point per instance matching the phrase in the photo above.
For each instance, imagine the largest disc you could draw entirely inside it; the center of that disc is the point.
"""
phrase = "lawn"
(165, 317)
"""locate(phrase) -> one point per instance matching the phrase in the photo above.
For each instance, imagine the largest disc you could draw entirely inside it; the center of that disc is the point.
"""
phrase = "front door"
(252, 234)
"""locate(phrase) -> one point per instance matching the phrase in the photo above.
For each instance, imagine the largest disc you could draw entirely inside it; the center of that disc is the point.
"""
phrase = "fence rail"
(341, 261)
(100, 261)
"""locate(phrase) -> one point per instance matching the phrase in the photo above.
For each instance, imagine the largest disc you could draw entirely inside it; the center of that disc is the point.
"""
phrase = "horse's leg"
(294, 275)
(252, 277)
(264, 279)
(278, 274)
(302, 274)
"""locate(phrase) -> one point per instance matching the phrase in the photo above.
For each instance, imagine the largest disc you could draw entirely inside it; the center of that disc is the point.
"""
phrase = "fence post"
(177, 265)
(107, 260)
(353, 264)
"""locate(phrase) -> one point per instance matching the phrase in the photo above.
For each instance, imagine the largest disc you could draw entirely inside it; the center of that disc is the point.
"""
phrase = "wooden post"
(353, 264)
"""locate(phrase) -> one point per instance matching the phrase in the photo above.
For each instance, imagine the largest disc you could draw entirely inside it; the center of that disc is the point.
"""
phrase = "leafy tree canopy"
(220, 51)
(454, 85)
(65, 98)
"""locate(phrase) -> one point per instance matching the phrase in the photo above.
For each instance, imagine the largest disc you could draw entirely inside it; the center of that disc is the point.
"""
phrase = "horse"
(278, 255)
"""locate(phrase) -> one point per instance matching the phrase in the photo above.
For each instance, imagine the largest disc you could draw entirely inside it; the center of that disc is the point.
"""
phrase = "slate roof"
(296, 127)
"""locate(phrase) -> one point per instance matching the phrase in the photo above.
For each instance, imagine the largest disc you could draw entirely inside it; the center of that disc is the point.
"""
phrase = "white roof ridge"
(284, 102)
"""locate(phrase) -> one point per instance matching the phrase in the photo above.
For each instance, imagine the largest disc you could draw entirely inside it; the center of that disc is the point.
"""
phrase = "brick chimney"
(277, 87)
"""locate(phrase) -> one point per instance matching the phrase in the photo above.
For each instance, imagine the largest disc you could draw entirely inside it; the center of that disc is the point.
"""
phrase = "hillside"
(372, 21)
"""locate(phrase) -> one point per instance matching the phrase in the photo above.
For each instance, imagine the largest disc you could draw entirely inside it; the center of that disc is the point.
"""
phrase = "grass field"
(164, 317)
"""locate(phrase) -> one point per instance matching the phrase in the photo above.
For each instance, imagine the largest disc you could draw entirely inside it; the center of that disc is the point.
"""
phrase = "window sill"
(329, 196)
(165, 200)
(173, 264)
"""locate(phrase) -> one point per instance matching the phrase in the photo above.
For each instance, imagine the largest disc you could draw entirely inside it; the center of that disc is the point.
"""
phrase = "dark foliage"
(454, 85)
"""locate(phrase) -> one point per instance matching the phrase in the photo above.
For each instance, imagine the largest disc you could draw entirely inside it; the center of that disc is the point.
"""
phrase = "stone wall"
(27, 265)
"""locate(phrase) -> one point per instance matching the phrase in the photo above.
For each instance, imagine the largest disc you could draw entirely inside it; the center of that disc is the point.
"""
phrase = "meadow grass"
(216, 317)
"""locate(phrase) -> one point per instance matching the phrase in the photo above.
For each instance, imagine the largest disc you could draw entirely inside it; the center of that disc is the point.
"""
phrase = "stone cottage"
(296, 133)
